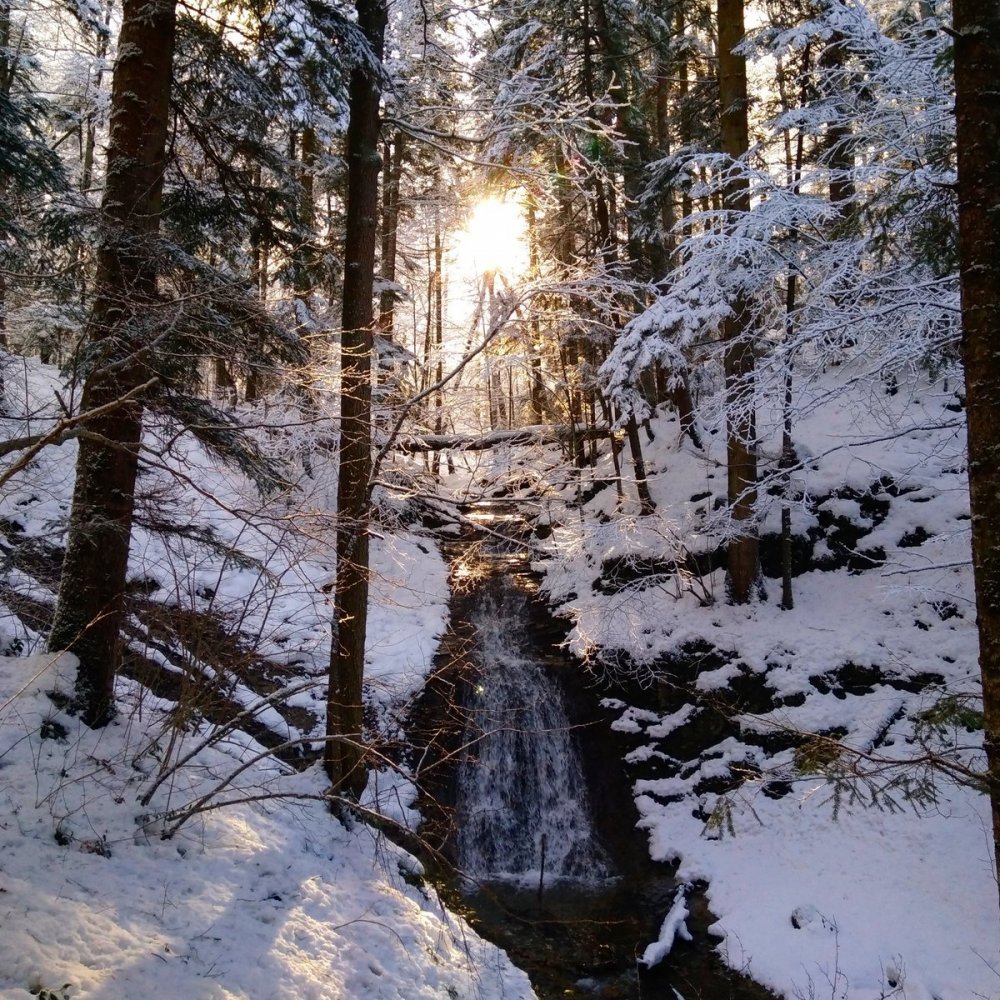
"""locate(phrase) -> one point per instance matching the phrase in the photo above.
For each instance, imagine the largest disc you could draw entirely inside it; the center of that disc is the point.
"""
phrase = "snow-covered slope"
(259, 900)
(268, 896)
(779, 755)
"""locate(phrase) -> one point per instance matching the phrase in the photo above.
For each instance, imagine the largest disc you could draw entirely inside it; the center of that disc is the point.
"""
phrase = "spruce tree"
(344, 758)
(91, 606)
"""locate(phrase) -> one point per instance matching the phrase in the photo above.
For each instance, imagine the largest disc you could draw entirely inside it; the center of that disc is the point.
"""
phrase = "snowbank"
(267, 900)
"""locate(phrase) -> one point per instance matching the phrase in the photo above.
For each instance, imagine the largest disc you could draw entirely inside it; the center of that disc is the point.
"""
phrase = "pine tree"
(90, 608)
(977, 69)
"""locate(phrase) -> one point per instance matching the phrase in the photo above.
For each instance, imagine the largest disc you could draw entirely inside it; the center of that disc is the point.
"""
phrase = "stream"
(528, 799)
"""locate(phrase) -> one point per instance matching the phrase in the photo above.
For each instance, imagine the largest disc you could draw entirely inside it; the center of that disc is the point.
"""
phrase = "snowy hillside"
(782, 757)
(258, 892)
(269, 899)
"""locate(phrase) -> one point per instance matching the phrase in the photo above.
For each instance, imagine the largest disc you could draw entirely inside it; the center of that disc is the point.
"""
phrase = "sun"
(495, 238)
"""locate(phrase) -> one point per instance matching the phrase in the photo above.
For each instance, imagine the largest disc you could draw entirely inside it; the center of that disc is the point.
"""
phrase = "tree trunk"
(787, 455)
(93, 98)
(344, 757)
(636, 143)
(225, 384)
(646, 504)
(839, 138)
(438, 335)
(91, 601)
(977, 68)
(743, 571)
(616, 448)
(392, 172)
(684, 115)
(537, 385)
(305, 253)
(667, 242)
(793, 170)
(6, 81)
(682, 402)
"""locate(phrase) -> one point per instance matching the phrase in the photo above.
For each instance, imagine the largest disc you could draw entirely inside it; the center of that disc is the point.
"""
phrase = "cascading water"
(521, 799)
(499, 693)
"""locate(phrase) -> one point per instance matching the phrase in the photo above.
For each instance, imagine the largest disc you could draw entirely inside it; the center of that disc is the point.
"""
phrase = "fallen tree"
(532, 434)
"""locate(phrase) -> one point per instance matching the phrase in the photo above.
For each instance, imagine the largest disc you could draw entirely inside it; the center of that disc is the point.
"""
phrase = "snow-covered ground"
(865, 877)
(268, 896)
(258, 900)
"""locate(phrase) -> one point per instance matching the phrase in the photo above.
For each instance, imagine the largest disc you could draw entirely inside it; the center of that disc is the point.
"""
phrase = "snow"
(674, 926)
(257, 890)
(274, 899)
(913, 888)
(870, 877)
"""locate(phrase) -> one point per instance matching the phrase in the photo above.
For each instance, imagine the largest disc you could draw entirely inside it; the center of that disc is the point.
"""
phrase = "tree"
(743, 561)
(977, 110)
(567, 101)
(848, 262)
(27, 164)
(344, 758)
(91, 604)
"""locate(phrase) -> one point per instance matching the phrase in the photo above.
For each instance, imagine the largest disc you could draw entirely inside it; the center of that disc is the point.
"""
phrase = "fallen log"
(533, 434)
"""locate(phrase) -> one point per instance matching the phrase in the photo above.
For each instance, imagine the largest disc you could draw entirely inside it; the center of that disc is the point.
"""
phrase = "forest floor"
(774, 757)
(265, 897)
(800, 763)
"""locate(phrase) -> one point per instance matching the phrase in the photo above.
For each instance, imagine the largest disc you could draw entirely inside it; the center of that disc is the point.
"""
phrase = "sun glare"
(494, 238)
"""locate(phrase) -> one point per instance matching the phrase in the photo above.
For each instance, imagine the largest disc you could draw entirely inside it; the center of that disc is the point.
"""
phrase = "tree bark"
(344, 757)
(684, 111)
(537, 384)
(91, 604)
(743, 570)
(92, 97)
(977, 70)
(438, 334)
(306, 252)
(6, 81)
(839, 139)
(793, 169)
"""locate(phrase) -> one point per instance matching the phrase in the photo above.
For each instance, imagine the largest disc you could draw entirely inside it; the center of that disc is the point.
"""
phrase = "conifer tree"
(977, 69)
(344, 758)
(92, 590)
(27, 163)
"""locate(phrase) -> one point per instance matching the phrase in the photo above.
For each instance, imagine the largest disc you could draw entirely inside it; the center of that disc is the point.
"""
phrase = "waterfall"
(523, 784)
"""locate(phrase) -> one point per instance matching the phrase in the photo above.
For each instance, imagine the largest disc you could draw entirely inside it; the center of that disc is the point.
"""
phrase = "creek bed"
(528, 786)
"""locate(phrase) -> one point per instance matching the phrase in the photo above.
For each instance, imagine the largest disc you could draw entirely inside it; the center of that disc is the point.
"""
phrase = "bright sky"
(493, 239)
